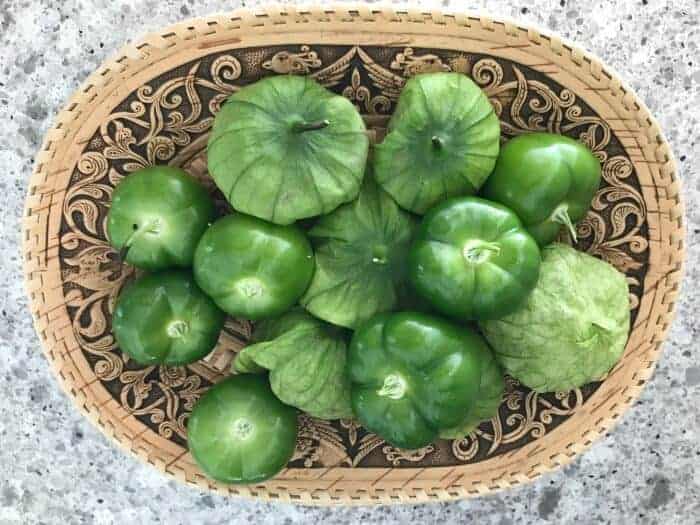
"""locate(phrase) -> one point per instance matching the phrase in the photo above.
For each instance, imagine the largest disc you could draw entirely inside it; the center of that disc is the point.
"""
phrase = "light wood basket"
(152, 103)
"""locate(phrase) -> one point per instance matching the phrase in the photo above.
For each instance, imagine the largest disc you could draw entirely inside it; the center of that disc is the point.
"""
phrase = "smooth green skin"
(443, 141)
(306, 359)
(491, 391)
(165, 318)
(251, 268)
(239, 432)
(413, 375)
(573, 327)
(268, 166)
(472, 259)
(360, 250)
(548, 180)
(157, 216)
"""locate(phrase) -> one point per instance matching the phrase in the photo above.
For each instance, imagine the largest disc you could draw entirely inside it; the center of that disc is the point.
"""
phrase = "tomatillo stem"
(380, 254)
(300, 127)
(242, 428)
(561, 215)
(125, 248)
(177, 329)
(394, 387)
(123, 253)
(437, 142)
(477, 252)
(152, 226)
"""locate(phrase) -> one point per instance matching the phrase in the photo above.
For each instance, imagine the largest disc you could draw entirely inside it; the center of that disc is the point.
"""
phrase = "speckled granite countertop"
(57, 468)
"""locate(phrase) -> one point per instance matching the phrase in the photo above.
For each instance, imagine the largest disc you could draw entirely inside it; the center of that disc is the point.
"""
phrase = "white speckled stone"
(56, 468)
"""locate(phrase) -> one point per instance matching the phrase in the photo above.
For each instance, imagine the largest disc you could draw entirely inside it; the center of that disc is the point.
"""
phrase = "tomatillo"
(443, 141)
(157, 216)
(239, 432)
(548, 180)
(165, 318)
(486, 406)
(285, 148)
(413, 375)
(472, 259)
(252, 268)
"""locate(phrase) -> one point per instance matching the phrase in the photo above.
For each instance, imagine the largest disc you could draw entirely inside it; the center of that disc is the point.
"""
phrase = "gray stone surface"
(55, 467)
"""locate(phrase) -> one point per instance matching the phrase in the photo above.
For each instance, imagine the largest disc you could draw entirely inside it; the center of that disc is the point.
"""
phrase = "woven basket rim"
(38, 248)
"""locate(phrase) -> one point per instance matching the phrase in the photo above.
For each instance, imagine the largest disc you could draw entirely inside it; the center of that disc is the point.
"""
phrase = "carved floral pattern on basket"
(167, 121)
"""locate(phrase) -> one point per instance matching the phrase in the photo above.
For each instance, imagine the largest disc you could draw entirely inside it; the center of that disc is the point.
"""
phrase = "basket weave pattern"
(153, 103)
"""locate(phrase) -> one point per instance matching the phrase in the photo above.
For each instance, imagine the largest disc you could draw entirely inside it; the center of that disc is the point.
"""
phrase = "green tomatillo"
(413, 375)
(252, 268)
(165, 318)
(573, 327)
(285, 148)
(548, 180)
(239, 432)
(472, 259)
(306, 360)
(443, 141)
(157, 216)
(360, 251)
(489, 399)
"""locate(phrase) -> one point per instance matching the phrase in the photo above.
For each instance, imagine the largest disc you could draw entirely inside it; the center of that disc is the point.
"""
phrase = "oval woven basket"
(153, 104)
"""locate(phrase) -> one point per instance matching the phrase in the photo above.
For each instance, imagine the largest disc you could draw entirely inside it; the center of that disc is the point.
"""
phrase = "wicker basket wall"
(153, 104)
